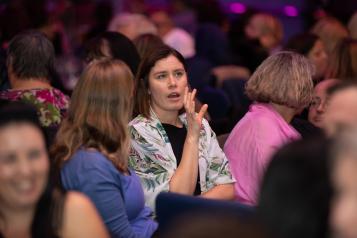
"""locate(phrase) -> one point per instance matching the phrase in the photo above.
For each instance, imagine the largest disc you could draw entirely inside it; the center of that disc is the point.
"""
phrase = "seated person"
(281, 87)
(30, 62)
(30, 205)
(91, 149)
(170, 150)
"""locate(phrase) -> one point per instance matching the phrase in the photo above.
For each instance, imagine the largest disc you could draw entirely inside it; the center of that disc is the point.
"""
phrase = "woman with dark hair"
(92, 145)
(170, 150)
(30, 206)
(113, 45)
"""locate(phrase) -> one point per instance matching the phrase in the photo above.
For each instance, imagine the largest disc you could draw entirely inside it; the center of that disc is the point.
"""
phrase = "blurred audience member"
(30, 63)
(173, 36)
(312, 47)
(344, 177)
(343, 61)
(30, 205)
(295, 195)
(132, 25)
(352, 26)
(184, 15)
(267, 29)
(330, 31)
(341, 109)
(91, 149)
(318, 105)
(113, 45)
(281, 87)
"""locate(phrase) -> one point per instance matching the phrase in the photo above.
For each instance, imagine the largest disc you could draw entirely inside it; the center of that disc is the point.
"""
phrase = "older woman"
(281, 87)
(171, 151)
(92, 144)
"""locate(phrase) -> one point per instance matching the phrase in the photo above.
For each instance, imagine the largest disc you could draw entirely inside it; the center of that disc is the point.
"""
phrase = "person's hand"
(194, 120)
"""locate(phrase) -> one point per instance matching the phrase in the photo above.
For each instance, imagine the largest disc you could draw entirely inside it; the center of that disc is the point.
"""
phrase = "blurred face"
(162, 22)
(24, 165)
(341, 111)
(344, 205)
(318, 57)
(167, 82)
(317, 108)
(252, 30)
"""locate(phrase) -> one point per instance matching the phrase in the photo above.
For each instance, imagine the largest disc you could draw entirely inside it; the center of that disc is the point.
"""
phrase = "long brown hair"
(343, 62)
(100, 109)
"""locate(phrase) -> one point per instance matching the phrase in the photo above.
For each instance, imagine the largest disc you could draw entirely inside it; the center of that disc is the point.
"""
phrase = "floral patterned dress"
(152, 157)
(51, 103)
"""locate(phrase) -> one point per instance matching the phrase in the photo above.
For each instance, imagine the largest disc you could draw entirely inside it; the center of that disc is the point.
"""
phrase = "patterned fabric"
(152, 157)
(51, 104)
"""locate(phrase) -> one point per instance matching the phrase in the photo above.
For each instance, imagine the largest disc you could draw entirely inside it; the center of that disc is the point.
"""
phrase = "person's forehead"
(168, 63)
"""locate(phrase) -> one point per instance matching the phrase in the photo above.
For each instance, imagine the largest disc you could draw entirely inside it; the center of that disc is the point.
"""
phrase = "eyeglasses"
(316, 102)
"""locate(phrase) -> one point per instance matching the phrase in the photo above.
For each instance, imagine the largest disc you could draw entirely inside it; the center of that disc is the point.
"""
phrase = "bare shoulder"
(80, 218)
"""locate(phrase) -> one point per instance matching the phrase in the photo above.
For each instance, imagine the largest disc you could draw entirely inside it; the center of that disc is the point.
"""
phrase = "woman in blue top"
(91, 149)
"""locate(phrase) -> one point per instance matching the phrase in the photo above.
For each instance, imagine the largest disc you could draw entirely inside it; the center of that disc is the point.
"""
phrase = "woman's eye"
(161, 76)
(8, 159)
(179, 74)
(34, 154)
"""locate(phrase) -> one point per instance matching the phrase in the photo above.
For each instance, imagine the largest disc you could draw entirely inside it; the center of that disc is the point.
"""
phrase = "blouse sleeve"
(100, 186)
(143, 159)
(218, 167)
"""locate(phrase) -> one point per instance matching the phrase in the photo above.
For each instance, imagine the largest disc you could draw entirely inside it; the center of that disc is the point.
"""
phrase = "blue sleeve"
(104, 191)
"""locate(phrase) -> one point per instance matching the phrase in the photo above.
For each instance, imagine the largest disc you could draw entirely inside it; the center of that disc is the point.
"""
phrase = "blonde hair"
(284, 78)
(99, 112)
(330, 31)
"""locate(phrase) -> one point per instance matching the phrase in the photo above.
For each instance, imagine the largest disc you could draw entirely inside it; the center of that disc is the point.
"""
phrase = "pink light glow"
(238, 8)
(291, 11)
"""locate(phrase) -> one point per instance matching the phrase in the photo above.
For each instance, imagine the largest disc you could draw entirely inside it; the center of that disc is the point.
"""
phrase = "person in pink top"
(280, 88)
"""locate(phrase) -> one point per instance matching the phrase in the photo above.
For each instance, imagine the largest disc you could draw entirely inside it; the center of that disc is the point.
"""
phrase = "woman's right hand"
(194, 120)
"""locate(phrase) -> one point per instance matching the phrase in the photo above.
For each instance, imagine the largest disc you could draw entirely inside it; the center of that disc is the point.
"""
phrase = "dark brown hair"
(142, 97)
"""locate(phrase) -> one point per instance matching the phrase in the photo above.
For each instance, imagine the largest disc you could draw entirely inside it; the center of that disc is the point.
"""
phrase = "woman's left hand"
(194, 120)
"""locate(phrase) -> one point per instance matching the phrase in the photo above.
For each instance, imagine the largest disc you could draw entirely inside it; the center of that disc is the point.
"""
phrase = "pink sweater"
(250, 146)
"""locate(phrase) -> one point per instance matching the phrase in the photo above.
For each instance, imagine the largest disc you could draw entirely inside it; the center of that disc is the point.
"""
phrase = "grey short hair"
(284, 78)
(31, 55)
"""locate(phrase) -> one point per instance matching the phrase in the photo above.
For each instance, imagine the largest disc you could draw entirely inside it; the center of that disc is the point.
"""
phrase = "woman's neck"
(167, 117)
(30, 84)
(286, 112)
(16, 222)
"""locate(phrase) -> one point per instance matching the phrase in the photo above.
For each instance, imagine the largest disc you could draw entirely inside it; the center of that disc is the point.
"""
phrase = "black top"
(177, 137)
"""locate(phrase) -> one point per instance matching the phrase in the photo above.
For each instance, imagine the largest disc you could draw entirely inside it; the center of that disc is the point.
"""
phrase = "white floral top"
(153, 159)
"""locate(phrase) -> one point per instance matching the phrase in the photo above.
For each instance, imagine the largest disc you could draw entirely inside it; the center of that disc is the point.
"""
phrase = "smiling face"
(24, 165)
(167, 82)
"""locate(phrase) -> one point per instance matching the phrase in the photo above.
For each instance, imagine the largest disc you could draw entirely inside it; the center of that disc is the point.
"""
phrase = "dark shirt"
(177, 137)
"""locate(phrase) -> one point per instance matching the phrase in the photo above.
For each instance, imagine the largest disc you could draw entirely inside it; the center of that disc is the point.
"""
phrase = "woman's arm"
(223, 192)
(185, 177)
(97, 181)
(81, 219)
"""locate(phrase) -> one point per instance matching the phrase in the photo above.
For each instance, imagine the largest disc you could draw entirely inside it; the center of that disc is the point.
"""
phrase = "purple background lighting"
(291, 11)
(238, 8)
